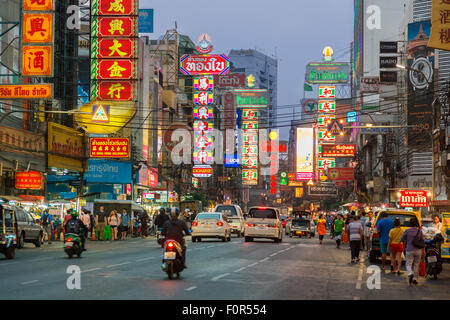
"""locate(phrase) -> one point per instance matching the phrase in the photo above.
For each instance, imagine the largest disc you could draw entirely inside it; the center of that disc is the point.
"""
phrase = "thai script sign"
(204, 64)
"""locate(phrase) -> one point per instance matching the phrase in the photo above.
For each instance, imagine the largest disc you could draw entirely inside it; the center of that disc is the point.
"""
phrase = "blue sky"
(296, 31)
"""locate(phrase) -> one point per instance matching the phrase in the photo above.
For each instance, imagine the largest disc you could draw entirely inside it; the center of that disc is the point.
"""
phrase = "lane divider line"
(139, 260)
(265, 259)
(219, 277)
(89, 270)
(191, 288)
(274, 254)
(119, 264)
(30, 282)
(240, 269)
(252, 265)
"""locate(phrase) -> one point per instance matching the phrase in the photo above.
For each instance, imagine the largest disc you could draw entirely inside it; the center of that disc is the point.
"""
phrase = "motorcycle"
(172, 258)
(160, 238)
(72, 245)
(433, 256)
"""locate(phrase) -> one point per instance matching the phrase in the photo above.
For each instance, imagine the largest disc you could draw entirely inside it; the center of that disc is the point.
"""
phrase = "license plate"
(299, 232)
(432, 259)
(170, 255)
(68, 244)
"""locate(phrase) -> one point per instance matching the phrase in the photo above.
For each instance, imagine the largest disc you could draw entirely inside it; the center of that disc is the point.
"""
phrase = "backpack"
(73, 226)
(45, 220)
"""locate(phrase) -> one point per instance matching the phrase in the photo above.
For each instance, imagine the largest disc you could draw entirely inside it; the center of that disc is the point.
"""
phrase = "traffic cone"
(93, 234)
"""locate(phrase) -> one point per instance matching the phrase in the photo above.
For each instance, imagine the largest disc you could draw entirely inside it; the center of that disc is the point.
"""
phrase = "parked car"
(8, 231)
(211, 225)
(404, 216)
(29, 229)
(235, 217)
(263, 222)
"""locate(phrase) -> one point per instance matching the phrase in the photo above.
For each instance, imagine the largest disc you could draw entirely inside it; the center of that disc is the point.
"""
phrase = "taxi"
(405, 218)
(263, 222)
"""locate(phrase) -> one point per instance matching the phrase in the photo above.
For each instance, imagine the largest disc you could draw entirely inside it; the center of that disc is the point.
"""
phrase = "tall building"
(265, 70)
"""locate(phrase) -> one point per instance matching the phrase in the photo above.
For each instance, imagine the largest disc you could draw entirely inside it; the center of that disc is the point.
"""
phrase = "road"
(131, 269)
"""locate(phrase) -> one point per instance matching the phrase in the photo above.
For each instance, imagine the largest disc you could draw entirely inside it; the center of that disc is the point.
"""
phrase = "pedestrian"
(47, 224)
(415, 249)
(437, 223)
(144, 224)
(332, 227)
(86, 219)
(91, 216)
(384, 227)
(57, 224)
(368, 231)
(101, 222)
(396, 246)
(113, 222)
(321, 227)
(161, 219)
(125, 223)
(338, 227)
(363, 220)
(68, 216)
(355, 231)
(194, 215)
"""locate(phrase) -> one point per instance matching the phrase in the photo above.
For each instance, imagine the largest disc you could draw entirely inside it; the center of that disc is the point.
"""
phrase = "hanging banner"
(113, 69)
(337, 150)
(205, 83)
(113, 26)
(107, 48)
(413, 198)
(114, 7)
(203, 98)
(26, 91)
(108, 90)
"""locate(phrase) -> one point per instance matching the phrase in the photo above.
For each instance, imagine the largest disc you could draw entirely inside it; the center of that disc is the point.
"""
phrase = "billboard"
(108, 171)
(328, 73)
(251, 98)
(208, 64)
(420, 84)
(341, 174)
(413, 198)
(305, 144)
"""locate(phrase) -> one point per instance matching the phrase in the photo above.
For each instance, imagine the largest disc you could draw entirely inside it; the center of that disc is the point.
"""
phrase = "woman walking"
(113, 222)
(396, 246)
(144, 223)
(321, 227)
(415, 249)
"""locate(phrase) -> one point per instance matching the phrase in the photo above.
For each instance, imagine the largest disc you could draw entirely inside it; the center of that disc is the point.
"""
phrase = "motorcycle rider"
(76, 226)
(161, 219)
(175, 229)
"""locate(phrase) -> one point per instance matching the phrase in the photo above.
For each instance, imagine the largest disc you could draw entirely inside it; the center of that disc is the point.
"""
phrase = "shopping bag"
(107, 233)
(422, 269)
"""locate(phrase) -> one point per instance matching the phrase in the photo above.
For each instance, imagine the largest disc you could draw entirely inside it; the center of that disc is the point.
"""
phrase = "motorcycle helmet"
(74, 214)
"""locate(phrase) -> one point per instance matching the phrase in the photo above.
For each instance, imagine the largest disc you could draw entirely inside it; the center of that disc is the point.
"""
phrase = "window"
(262, 213)
(230, 211)
(21, 217)
(208, 216)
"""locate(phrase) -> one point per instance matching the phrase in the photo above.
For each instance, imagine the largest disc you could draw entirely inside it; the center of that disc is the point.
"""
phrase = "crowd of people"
(357, 231)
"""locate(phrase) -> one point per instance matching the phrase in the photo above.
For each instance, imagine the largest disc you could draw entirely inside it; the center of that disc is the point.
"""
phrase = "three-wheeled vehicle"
(8, 231)
(301, 227)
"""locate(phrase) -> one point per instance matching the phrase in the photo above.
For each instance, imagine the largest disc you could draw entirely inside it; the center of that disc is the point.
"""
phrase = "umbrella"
(353, 204)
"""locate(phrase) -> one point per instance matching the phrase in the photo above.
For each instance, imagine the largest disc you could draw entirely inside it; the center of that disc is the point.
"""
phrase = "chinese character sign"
(37, 35)
(114, 32)
(440, 27)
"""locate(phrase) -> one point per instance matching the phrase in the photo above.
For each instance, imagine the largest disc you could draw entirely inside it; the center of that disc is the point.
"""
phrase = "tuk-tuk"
(8, 231)
(301, 227)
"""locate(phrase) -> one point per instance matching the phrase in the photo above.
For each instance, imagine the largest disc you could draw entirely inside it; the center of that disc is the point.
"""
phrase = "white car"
(211, 225)
(235, 217)
(263, 222)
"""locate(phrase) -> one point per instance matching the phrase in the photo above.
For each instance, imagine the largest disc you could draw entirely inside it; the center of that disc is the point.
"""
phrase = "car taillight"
(195, 223)
(272, 226)
(69, 240)
(249, 225)
(220, 223)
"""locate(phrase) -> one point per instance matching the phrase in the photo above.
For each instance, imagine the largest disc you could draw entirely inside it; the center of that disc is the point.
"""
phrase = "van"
(235, 217)
(263, 222)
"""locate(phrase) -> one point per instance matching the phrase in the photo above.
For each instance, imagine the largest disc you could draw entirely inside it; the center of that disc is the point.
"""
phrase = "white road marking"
(89, 270)
(285, 244)
(200, 276)
(41, 259)
(191, 288)
(252, 265)
(240, 269)
(210, 246)
(29, 282)
(265, 259)
(221, 276)
(360, 275)
(274, 254)
(139, 260)
(119, 264)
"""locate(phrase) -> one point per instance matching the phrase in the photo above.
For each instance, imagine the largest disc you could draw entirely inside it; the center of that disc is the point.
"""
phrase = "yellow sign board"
(66, 148)
(37, 28)
(26, 91)
(298, 192)
(37, 61)
(38, 5)
(118, 113)
(440, 26)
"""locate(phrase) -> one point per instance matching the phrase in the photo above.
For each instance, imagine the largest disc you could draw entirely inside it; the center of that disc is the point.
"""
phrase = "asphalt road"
(131, 269)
